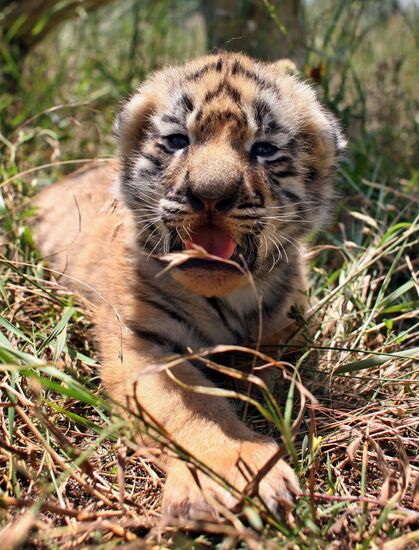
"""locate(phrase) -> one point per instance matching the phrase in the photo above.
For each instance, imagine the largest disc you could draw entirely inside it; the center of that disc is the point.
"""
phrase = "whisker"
(155, 246)
(278, 241)
(180, 236)
(287, 213)
(187, 231)
(299, 211)
(149, 237)
(147, 197)
(166, 244)
(299, 203)
(147, 226)
(266, 245)
(142, 216)
(292, 241)
(274, 262)
(283, 219)
(148, 220)
(143, 190)
(150, 209)
(146, 200)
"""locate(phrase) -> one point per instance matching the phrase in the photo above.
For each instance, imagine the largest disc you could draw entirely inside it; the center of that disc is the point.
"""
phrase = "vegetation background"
(70, 473)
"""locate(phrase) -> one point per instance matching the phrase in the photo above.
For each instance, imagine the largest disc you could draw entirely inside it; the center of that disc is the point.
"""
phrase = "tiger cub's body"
(225, 154)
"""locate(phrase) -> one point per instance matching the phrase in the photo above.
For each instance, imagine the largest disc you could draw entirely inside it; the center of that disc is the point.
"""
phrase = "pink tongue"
(214, 240)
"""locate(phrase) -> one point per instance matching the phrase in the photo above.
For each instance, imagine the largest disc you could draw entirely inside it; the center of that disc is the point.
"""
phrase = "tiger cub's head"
(230, 154)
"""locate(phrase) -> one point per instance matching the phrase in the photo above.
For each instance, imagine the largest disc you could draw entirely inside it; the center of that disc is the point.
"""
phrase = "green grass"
(71, 474)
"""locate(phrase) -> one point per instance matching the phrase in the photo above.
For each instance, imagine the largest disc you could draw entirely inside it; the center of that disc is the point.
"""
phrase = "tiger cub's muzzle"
(221, 217)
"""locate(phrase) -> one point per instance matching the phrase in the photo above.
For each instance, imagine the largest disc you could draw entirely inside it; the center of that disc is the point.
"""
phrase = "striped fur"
(226, 104)
(255, 143)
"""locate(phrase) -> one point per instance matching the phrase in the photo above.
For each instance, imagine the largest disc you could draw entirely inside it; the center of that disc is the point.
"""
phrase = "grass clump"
(71, 474)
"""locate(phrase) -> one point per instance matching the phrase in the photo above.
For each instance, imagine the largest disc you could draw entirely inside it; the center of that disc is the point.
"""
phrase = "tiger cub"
(229, 161)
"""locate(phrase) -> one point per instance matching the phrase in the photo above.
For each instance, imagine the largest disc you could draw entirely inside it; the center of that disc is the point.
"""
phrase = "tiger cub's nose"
(203, 202)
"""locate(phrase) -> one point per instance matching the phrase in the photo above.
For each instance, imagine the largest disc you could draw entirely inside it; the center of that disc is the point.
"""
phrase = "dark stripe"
(176, 312)
(153, 159)
(311, 175)
(225, 115)
(170, 118)
(264, 118)
(282, 158)
(198, 74)
(274, 127)
(292, 146)
(233, 313)
(246, 217)
(278, 297)
(219, 66)
(147, 172)
(290, 173)
(223, 87)
(215, 304)
(261, 110)
(150, 126)
(168, 311)
(177, 348)
(260, 198)
(163, 148)
(173, 210)
(256, 78)
(212, 94)
(186, 103)
(157, 339)
(293, 197)
(246, 205)
(125, 172)
(238, 69)
(233, 93)
(202, 71)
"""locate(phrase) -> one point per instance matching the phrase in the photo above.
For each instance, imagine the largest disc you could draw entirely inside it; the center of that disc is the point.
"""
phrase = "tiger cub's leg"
(205, 426)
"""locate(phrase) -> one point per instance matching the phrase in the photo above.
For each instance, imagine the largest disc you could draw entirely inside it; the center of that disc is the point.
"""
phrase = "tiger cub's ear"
(132, 120)
(321, 125)
(286, 66)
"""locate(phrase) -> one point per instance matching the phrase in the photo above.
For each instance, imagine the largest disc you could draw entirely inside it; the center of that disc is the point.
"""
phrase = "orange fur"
(108, 248)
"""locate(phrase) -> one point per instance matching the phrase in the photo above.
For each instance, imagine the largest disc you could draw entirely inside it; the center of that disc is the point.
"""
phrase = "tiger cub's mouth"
(225, 254)
(217, 243)
(214, 240)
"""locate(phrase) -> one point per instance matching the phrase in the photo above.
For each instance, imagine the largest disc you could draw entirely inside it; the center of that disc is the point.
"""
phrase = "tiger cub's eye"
(263, 149)
(177, 141)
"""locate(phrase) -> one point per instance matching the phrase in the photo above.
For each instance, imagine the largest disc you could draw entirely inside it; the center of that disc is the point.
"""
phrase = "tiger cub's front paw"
(197, 496)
